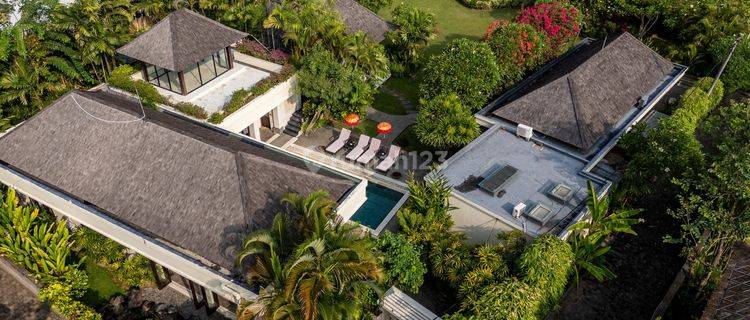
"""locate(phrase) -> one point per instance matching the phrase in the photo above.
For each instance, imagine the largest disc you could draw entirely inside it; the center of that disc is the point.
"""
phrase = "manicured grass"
(101, 285)
(454, 20)
(409, 87)
(387, 103)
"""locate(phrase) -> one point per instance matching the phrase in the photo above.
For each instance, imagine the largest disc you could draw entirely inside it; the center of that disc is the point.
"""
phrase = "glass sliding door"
(192, 78)
(222, 64)
(207, 70)
(164, 78)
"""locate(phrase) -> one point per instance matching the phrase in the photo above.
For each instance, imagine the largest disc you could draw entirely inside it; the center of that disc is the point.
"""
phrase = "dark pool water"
(380, 201)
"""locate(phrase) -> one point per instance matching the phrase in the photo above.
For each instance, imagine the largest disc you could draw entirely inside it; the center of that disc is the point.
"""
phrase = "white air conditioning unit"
(524, 131)
(518, 210)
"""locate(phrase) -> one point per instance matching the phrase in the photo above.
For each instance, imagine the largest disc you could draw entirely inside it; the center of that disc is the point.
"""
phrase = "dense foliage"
(715, 205)
(402, 261)
(242, 97)
(34, 241)
(736, 76)
(466, 68)
(560, 20)
(41, 247)
(406, 43)
(332, 89)
(681, 30)
(309, 25)
(589, 236)
(670, 150)
(310, 264)
(518, 49)
(128, 270)
(444, 123)
(375, 5)
(490, 4)
(148, 94)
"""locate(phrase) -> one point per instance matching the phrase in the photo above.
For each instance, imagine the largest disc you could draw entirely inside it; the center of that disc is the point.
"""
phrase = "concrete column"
(277, 115)
(254, 130)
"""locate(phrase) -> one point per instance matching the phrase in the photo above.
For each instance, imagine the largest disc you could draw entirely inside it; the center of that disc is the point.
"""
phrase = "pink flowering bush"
(256, 49)
(560, 20)
(518, 48)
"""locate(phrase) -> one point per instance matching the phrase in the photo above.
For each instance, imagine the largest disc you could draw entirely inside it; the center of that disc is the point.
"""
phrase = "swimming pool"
(380, 202)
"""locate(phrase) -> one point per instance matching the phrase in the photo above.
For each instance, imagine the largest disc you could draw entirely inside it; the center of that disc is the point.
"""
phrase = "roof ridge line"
(242, 184)
(574, 102)
(287, 166)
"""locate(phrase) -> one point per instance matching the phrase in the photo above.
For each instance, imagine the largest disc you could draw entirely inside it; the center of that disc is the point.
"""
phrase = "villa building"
(189, 58)
(547, 137)
(179, 192)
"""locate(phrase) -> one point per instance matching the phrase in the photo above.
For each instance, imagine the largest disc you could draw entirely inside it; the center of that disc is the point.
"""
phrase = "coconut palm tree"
(316, 276)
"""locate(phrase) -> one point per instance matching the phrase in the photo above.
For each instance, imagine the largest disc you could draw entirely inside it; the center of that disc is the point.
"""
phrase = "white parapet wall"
(283, 96)
(255, 62)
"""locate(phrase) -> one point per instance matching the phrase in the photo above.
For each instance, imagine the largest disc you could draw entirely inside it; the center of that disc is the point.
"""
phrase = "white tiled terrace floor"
(214, 94)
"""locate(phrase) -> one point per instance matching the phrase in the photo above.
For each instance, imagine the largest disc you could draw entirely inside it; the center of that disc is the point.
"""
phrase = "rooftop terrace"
(540, 168)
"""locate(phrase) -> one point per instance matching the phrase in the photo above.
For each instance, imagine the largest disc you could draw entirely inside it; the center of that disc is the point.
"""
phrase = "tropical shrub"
(128, 270)
(403, 265)
(191, 110)
(736, 76)
(62, 297)
(670, 150)
(42, 248)
(334, 88)
(490, 4)
(545, 266)
(560, 20)
(406, 43)
(243, 96)
(511, 299)
(487, 267)
(120, 78)
(588, 239)
(518, 48)
(466, 68)
(444, 123)
(375, 5)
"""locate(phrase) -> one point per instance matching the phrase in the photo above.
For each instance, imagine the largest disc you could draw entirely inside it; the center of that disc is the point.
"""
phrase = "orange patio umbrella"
(384, 128)
(351, 120)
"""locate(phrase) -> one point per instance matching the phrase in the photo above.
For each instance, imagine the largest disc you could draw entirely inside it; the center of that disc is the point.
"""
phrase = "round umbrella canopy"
(384, 128)
(351, 119)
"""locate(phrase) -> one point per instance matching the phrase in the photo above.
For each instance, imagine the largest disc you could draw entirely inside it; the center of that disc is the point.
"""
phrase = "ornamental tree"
(444, 123)
(466, 68)
(560, 20)
(403, 264)
(518, 48)
(416, 28)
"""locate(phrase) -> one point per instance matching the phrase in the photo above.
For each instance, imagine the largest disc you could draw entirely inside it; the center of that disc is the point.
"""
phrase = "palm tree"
(416, 28)
(328, 267)
(588, 240)
(365, 54)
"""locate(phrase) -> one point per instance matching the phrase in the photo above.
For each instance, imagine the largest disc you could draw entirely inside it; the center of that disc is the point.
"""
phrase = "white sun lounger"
(336, 145)
(359, 148)
(390, 159)
(366, 157)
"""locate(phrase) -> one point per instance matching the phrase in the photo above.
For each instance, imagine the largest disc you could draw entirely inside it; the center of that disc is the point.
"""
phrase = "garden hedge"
(491, 4)
(120, 78)
(467, 68)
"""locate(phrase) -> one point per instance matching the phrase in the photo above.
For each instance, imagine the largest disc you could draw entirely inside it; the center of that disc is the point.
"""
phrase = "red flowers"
(559, 20)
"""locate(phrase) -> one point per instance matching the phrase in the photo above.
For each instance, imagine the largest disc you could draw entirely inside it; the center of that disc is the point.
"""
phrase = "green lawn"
(454, 20)
(388, 104)
(101, 285)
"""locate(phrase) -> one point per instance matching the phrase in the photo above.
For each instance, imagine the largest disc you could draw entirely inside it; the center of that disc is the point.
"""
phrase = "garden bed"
(645, 267)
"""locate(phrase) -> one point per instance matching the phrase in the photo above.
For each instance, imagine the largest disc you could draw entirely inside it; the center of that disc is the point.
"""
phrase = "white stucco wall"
(477, 225)
(353, 201)
(263, 104)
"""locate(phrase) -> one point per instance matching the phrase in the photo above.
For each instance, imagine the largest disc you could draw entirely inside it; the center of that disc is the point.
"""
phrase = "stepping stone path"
(408, 106)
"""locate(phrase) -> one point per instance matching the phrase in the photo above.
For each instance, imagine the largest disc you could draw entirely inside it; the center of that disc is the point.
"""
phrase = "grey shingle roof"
(181, 39)
(358, 18)
(581, 97)
(173, 179)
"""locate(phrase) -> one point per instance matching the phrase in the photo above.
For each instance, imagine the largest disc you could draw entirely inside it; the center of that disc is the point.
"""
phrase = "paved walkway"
(18, 303)
(408, 106)
(399, 123)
